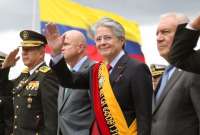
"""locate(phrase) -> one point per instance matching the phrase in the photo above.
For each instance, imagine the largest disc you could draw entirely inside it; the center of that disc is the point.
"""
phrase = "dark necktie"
(109, 67)
(26, 75)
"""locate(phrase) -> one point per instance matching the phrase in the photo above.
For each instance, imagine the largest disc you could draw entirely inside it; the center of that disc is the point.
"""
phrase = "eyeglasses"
(105, 38)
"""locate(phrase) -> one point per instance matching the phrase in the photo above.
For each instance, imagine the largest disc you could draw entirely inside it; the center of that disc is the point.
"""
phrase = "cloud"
(9, 40)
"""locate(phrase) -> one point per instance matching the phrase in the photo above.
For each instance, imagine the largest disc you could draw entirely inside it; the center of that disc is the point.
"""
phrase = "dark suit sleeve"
(195, 95)
(6, 85)
(142, 96)
(4, 74)
(78, 80)
(8, 114)
(49, 93)
(182, 52)
(6, 101)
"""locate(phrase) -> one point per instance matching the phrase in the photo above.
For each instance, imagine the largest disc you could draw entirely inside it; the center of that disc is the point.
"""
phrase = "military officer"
(6, 108)
(35, 90)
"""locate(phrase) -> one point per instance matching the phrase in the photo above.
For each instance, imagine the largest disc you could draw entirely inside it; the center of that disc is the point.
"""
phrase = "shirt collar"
(78, 64)
(116, 59)
(170, 71)
(33, 70)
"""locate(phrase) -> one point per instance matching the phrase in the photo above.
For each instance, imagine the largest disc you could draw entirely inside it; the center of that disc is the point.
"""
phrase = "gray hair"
(109, 23)
(180, 17)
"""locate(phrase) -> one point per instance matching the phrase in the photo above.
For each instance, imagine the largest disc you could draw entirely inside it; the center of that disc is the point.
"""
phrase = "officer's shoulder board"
(25, 70)
(44, 69)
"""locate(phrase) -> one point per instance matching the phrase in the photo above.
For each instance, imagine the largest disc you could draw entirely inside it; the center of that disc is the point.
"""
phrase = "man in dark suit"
(35, 91)
(182, 52)
(74, 117)
(176, 109)
(6, 107)
(130, 81)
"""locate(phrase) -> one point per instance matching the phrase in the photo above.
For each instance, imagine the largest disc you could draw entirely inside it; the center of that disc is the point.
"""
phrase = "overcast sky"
(17, 14)
(24, 14)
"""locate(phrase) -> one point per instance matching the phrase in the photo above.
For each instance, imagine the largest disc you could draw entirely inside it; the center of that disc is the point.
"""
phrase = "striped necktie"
(164, 79)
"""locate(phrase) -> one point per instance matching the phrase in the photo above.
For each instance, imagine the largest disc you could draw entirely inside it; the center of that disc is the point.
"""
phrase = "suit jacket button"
(29, 106)
(153, 119)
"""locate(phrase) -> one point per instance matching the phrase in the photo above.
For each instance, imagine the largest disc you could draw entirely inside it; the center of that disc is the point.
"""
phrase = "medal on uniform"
(33, 85)
(29, 100)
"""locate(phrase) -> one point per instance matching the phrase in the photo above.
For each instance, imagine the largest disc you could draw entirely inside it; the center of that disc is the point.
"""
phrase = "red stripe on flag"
(93, 53)
(137, 57)
(48, 49)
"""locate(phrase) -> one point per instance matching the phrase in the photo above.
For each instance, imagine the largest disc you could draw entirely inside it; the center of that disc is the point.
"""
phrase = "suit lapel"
(62, 101)
(154, 96)
(66, 96)
(167, 88)
(62, 97)
(118, 70)
(85, 65)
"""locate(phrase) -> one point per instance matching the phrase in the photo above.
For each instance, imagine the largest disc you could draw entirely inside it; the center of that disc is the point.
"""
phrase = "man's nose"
(159, 37)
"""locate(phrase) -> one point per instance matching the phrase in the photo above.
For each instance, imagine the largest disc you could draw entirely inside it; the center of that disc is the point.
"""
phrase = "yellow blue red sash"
(108, 114)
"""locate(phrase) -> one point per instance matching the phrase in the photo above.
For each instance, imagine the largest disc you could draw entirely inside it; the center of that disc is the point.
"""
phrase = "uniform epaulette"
(157, 70)
(44, 69)
(25, 70)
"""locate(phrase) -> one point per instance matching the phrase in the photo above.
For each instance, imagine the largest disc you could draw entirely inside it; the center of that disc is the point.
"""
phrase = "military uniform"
(157, 70)
(34, 98)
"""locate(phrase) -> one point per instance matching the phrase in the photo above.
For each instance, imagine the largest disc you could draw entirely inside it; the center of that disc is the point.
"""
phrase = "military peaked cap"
(32, 39)
(2, 56)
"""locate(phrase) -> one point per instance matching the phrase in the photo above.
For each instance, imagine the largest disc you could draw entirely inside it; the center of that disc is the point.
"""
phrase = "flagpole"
(33, 25)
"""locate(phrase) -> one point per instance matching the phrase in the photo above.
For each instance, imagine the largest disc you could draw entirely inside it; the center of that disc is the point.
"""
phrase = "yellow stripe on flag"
(69, 13)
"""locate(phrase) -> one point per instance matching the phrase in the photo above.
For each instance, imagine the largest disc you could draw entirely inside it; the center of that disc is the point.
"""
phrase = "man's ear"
(122, 39)
(81, 47)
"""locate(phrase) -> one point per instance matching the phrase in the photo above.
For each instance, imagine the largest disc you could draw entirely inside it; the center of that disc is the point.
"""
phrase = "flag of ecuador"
(69, 15)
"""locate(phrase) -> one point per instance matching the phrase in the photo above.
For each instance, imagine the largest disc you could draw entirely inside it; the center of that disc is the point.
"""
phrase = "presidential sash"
(108, 114)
